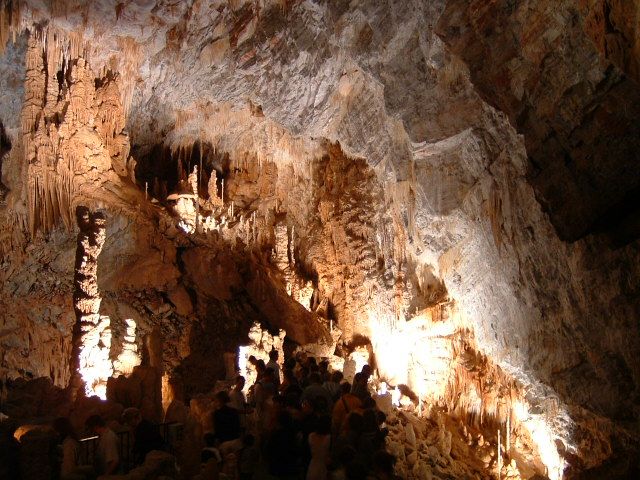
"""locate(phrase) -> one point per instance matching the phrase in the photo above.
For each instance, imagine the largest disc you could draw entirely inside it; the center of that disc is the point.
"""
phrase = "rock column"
(92, 334)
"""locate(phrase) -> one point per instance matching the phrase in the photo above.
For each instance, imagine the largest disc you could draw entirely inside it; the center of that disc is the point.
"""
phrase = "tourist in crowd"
(237, 399)
(70, 468)
(146, 436)
(264, 389)
(323, 370)
(319, 444)
(371, 428)
(307, 424)
(226, 420)
(273, 365)
(210, 459)
(315, 390)
(239, 402)
(282, 452)
(302, 374)
(383, 466)
(332, 386)
(353, 435)
(289, 384)
(360, 388)
(297, 435)
(107, 456)
(346, 404)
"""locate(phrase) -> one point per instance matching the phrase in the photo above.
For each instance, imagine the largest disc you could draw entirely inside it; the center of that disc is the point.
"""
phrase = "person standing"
(319, 444)
(70, 468)
(107, 456)
(273, 365)
(226, 420)
(146, 436)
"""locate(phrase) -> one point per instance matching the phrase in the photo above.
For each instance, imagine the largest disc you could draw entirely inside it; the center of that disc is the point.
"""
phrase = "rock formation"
(446, 188)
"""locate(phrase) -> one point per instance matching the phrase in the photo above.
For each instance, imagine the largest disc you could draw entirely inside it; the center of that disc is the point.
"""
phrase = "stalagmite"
(92, 335)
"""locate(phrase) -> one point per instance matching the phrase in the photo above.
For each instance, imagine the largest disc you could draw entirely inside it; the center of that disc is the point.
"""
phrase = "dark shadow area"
(5, 147)
(162, 169)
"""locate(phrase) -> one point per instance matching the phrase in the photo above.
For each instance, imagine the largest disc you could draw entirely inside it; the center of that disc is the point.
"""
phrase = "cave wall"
(447, 149)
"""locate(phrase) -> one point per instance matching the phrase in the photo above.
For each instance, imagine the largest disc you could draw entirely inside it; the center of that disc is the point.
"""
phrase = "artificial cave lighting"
(129, 357)
(95, 365)
(439, 190)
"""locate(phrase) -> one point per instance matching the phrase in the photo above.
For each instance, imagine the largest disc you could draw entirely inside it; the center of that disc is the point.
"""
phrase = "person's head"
(96, 424)
(63, 428)
(260, 365)
(221, 398)
(366, 370)
(315, 379)
(324, 366)
(131, 416)
(345, 388)
(337, 376)
(240, 382)
(273, 355)
(252, 360)
(357, 378)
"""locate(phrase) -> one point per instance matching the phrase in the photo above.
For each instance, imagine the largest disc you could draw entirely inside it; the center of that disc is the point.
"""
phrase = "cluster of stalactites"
(9, 22)
(70, 128)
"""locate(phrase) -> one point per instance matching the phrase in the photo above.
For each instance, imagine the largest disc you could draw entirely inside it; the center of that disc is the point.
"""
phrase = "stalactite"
(9, 21)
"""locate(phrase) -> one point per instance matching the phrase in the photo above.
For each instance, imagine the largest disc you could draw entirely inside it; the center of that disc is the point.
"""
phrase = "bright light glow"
(95, 365)
(243, 361)
(544, 439)
(417, 353)
(383, 388)
(395, 396)
(128, 358)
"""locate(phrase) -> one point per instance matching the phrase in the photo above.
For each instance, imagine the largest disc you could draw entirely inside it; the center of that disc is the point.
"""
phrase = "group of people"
(301, 421)
(108, 461)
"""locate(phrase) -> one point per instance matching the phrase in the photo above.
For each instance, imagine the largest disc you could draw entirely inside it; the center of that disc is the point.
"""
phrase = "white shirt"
(107, 451)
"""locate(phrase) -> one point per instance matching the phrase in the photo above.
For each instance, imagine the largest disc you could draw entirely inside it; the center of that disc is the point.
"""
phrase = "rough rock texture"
(367, 164)
(566, 74)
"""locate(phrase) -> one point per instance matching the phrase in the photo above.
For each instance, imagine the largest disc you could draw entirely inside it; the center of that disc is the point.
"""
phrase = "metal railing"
(171, 434)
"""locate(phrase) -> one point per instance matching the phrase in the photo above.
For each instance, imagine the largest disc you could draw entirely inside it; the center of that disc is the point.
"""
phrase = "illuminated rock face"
(92, 332)
(357, 165)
